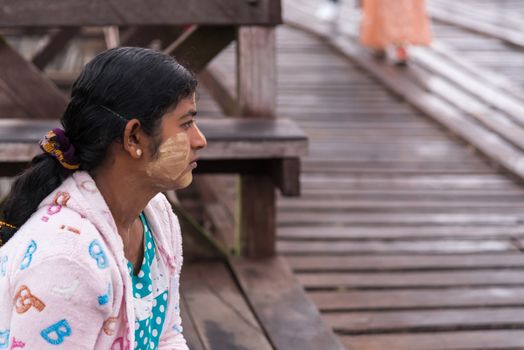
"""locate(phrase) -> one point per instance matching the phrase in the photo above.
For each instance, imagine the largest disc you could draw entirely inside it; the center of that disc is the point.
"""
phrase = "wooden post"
(256, 84)
(256, 76)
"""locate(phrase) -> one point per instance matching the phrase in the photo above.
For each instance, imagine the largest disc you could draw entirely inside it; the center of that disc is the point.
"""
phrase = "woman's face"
(171, 168)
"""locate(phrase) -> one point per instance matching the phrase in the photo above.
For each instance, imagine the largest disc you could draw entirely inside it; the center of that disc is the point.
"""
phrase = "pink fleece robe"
(64, 280)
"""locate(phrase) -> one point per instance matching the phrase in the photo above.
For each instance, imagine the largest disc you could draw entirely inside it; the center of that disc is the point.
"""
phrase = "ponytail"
(28, 190)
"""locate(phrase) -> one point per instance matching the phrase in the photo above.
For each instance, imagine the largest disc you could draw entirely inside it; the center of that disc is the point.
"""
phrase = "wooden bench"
(235, 146)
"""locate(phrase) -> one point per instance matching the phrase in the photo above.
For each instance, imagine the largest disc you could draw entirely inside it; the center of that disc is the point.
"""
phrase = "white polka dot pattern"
(150, 291)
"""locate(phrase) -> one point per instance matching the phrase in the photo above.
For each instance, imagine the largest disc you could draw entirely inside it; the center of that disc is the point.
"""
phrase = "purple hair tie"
(58, 145)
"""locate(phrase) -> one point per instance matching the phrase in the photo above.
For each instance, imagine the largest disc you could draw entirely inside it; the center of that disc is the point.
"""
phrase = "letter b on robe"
(56, 333)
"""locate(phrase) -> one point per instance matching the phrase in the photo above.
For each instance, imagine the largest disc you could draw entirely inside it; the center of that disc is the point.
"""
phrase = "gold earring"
(139, 152)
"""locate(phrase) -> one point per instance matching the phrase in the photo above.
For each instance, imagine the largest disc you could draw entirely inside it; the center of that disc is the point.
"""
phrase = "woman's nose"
(198, 140)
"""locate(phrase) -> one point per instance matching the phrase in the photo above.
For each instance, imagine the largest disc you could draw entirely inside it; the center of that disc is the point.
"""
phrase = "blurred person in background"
(394, 23)
(328, 11)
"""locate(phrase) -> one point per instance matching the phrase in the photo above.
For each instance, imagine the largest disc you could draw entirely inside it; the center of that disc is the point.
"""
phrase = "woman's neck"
(125, 195)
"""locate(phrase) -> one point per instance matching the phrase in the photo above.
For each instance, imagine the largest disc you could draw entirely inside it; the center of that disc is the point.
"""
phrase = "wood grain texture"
(143, 36)
(368, 217)
(214, 80)
(256, 97)
(198, 45)
(423, 299)
(27, 87)
(190, 331)
(426, 320)
(164, 12)
(290, 319)
(57, 42)
(494, 339)
(219, 313)
(256, 81)
(405, 262)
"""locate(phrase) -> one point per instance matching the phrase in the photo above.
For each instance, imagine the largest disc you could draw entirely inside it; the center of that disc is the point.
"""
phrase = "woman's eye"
(188, 124)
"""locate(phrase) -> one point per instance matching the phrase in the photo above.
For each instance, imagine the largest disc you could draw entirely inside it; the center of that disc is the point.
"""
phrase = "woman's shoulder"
(50, 236)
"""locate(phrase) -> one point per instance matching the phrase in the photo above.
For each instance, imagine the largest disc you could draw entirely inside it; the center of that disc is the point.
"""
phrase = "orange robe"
(396, 22)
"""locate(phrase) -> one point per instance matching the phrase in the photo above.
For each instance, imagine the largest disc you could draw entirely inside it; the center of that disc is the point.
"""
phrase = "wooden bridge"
(409, 230)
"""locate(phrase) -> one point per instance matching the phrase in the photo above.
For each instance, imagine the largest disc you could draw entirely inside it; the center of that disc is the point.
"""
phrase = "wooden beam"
(288, 316)
(15, 13)
(198, 242)
(256, 91)
(144, 36)
(217, 210)
(57, 42)
(190, 332)
(28, 88)
(217, 308)
(112, 36)
(286, 176)
(213, 79)
(198, 45)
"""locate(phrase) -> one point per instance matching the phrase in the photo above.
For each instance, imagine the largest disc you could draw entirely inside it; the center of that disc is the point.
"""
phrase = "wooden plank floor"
(486, 52)
(214, 311)
(403, 237)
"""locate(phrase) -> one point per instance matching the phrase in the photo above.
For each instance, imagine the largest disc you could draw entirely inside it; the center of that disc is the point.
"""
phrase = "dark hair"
(117, 85)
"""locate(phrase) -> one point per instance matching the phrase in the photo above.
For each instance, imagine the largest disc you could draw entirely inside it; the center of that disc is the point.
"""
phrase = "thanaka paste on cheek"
(172, 162)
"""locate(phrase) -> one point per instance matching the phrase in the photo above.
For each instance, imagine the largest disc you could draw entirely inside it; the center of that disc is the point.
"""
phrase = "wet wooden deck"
(403, 237)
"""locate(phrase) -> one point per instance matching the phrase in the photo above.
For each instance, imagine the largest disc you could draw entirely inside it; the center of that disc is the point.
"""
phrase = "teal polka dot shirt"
(150, 292)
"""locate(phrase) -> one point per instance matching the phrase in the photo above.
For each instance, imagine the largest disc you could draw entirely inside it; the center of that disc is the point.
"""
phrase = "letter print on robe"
(28, 256)
(17, 344)
(3, 265)
(25, 300)
(104, 299)
(4, 339)
(97, 252)
(56, 333)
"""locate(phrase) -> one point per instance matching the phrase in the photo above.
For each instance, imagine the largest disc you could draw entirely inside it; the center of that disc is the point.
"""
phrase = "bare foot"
(401, 56)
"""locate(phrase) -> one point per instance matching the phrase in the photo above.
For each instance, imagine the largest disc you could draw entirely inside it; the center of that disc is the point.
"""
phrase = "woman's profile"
(90, 250)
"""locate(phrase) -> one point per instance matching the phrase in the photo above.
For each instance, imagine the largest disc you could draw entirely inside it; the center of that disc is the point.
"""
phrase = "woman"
(399, 23)
(97, 253)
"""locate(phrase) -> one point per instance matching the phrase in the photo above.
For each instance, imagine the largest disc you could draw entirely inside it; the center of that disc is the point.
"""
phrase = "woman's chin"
(184, 181)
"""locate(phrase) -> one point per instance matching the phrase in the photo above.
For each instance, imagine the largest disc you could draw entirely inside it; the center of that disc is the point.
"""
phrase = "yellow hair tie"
(3, 223)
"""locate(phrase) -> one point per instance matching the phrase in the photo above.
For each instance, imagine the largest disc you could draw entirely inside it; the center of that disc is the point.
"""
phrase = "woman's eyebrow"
(190, 113)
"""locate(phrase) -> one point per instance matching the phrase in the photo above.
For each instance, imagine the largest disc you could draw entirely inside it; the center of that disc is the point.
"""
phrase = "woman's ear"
(133, 140)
